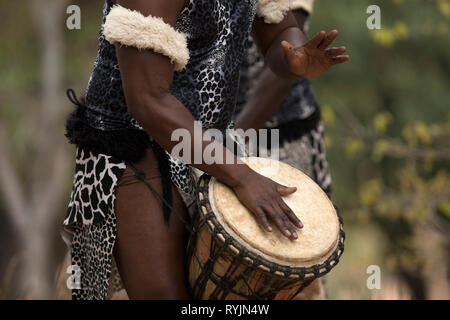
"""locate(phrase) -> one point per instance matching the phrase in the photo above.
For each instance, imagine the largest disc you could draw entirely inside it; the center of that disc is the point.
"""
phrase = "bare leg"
(149, 253)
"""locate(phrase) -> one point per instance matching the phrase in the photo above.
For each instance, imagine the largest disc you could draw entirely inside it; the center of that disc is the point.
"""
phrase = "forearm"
(276, 58)
(269, 91)
(161, 114)
(267, 96)
(268, 37)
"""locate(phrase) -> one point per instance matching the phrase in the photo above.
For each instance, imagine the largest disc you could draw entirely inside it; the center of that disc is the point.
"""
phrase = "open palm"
(314, 57)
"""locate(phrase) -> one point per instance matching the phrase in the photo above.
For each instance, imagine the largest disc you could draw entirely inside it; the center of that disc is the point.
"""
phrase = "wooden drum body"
(231, 257)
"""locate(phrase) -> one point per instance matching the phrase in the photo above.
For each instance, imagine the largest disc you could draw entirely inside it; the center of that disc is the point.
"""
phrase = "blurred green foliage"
(388, 125)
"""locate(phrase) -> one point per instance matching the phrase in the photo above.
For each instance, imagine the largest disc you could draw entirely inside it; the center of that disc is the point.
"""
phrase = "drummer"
(162, 65)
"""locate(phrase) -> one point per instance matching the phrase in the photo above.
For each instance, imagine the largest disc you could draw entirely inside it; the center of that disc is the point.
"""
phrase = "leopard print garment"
(94, 233)
(94, 183)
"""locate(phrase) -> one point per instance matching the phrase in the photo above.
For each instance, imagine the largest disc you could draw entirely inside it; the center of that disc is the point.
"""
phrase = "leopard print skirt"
(89, 229)
(90, 226)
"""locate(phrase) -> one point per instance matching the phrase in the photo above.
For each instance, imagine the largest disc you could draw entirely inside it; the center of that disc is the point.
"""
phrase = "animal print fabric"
(94, 183)
(94, 233)
(308, 154)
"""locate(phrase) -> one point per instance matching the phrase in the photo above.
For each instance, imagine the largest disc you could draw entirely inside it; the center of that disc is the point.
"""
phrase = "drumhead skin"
(317, 240)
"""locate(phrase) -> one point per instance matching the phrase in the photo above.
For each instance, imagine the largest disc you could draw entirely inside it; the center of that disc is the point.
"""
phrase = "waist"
(121, 141)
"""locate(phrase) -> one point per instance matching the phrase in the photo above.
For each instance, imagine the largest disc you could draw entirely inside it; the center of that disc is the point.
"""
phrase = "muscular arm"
(147, 77)
(268, 93)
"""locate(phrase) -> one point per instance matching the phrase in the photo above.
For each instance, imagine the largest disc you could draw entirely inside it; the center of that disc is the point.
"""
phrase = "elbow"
(143, 103)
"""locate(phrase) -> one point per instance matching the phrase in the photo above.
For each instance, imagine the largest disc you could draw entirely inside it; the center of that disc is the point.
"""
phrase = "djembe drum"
(231, 257)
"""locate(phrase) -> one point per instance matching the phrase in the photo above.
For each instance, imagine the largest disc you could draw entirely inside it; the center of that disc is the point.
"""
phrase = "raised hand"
(314, 58)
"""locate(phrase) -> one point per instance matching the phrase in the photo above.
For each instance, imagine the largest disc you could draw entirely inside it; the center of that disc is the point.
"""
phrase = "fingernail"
(295, 235)
(269, 228)
(287, 232)
(300, 224)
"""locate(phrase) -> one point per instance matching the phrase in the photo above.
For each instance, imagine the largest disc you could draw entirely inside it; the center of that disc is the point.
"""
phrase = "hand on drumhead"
(314, 58)
(263, 197)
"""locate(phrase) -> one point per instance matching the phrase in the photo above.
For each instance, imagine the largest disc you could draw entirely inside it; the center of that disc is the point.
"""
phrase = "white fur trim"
(306, 5)
(273, 11)
(133, 29)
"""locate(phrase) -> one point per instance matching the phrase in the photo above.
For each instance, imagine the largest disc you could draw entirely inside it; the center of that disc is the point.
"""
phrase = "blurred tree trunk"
(32, 203)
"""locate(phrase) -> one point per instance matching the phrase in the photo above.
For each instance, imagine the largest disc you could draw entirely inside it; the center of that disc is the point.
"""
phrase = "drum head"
(316, 241)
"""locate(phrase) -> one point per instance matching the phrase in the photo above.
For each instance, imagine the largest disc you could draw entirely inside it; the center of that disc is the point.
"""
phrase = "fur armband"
(133, 29)
(273, 11)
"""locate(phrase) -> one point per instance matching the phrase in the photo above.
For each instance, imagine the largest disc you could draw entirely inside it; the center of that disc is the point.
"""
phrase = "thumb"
(288, 50)
(285, 191)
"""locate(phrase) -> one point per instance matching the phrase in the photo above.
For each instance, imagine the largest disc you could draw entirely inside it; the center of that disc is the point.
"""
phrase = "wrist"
(238, 175)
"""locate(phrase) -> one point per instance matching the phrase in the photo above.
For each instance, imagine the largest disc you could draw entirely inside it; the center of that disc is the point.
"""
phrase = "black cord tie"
(141, 176)
(71, 95)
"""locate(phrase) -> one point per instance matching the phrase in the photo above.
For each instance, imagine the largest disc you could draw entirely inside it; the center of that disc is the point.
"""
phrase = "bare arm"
(268, 93)
(289, 55)
(268, 37)
(147, 77)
